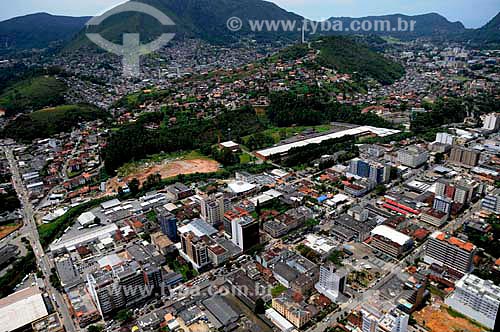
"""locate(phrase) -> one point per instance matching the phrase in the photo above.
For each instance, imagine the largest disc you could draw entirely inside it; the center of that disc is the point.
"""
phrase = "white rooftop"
(198, 227)
(229, 144)
(86, 218)
(382, 132)
(391, 234)
(239, 187)
(21, 308)
(92, 234)
(110, 204)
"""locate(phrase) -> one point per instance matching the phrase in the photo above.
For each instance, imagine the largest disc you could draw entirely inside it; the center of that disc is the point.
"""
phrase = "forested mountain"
(426, 25)
(38, 31)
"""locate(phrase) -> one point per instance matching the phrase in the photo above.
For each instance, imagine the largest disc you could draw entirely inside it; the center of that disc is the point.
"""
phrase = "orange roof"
(456, 242)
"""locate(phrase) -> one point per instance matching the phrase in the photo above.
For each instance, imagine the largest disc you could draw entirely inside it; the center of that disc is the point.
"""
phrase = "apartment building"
(412, 156)
(450, 253)
(464, 156)
(213, 208)
(195, 249)
(491, 202)
(332, 281)
(376, 172)
(120, 287)
(476, 298)
(245, 232)
(296, 313)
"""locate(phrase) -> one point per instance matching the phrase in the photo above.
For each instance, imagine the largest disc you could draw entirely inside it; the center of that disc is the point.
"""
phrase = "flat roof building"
(450, 253)
(390, 241)
(358, 131)
(476, 298)
(19, 310)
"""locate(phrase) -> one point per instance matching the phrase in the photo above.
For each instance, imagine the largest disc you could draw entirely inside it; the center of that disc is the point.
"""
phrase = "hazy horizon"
(470, 14)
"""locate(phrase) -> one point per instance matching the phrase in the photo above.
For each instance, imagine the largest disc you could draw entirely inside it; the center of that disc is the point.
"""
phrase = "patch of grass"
(276, 291)
(245, 158)
(33, 93)
(151, 215)
(455, 314)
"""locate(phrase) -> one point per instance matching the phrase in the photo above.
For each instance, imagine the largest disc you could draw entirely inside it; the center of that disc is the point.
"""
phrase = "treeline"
(306, 154)
(288, 108)
(20, 268)
(9, 200)
(453, 110)
(48, 122)
(136, 141)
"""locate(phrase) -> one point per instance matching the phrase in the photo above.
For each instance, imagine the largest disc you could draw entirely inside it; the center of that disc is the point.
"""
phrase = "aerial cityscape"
(233, 166)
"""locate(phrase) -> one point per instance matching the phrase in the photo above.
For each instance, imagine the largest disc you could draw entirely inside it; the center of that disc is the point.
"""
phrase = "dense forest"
(306, 154)
(289, 108)
(453, 110)
(348, 56)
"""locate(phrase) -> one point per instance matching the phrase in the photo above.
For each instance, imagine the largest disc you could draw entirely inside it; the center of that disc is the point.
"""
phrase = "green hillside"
(39, 31)
(51, 121)
(33, 93)
(349, 55)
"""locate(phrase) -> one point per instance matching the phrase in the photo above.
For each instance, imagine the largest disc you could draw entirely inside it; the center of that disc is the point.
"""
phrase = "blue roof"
(322, 198)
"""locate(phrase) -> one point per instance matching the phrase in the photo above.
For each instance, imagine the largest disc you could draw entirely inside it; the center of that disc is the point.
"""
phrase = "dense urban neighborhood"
(329, 183)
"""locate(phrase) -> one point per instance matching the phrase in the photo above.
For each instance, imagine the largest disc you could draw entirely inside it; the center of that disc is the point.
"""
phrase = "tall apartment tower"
(195, 248)
(377, 172)
(117, 289)
(332, 281)
(464, 156)
(492, 122)
(168, 223)
(212, 209)
(450, 253)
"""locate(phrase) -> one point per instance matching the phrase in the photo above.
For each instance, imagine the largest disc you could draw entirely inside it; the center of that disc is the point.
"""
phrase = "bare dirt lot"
(437, 319)
(167, 169)
(6, 230)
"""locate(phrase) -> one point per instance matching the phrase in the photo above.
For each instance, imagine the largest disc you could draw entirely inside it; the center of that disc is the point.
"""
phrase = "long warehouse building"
(282, 150)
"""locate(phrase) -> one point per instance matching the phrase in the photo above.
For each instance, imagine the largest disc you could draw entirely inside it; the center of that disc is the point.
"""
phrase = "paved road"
(30, 229)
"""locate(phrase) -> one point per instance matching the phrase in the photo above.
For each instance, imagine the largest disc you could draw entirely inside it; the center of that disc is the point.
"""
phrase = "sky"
(473, 13)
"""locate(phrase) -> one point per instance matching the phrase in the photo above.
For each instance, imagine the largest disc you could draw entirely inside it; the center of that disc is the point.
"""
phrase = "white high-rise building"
(212, 208)
(332, 281)
(376, 320)
(444, 138)
(492, 122)
(476, 298)
(412, 156)
(491, 202)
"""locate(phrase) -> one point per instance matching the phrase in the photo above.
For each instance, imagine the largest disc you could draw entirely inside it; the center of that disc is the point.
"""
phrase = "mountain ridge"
(206, 19)
(38, 30)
